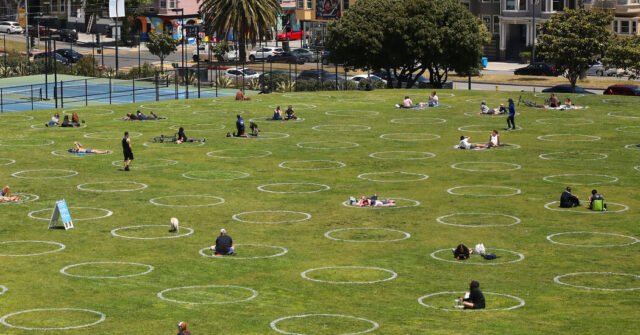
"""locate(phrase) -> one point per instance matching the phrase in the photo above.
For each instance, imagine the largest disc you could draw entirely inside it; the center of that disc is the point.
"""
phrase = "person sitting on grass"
(464, 144)
(494, 139)
(434, 101)
(240, 96)
(5, 195)
(596, 201)
(55, 120)
(75, 119)
(66, 122)
(406, 103)
(474, 299)
(554, 101)
(82, 150)
(568, 200)
(290, 114)
(224, 244)
(182, 137)
(182, 328)
(462, 252)
(240, 127)
(277, 114)
(254, 128)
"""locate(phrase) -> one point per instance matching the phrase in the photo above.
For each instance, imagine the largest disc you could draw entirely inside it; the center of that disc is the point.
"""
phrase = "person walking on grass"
(127, 151)
(511, 119)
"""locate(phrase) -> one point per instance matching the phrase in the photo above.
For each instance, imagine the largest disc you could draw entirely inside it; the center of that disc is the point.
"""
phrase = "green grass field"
(323, 258)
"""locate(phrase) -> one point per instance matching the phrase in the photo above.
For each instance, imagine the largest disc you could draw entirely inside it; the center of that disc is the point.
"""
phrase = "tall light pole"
(26, 23)
(182, 56)
(533, 27)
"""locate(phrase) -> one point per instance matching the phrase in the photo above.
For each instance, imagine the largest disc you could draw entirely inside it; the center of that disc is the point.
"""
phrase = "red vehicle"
(37, 31)
(291, 36)
(622, 89)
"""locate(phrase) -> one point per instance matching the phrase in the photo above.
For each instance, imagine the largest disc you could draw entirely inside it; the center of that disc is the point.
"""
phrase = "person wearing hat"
(568, 200)
(224, 244)
(182, 328)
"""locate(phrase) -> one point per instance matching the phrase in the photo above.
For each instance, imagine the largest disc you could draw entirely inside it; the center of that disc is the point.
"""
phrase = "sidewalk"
(503, 66)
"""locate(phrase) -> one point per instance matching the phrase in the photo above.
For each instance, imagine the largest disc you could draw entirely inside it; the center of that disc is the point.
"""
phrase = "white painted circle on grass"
(392, 274)
(558, 280)
(520, 302)
(69, 173)
(632, 146)
(486, 129)
(601, 176)
(60, 248)
(281, 251)
(88, 186)
(416, 176)
(568, 138)
(637, 167)
(253, 292)
(297, 106)
(148, 267)
(330, 165)
(185, 198)
(341, 127)
(264, 135)
(7, 117)
(12, 143)
(520, 257)
(67, 154)
(148, 163)
(633, 239)
(409, 137)
(318, 188)
(442, 220)
(305, 216)
(544, 95)
(405, 235)
(565, 121)
(199, 126)
(411, 155)
(257, 153)
(419, 120)
(165, 106)
(573, 156)
(619, 102)
(492, 166)
(48, 210)
(584, 210)
(226, 175)
(514, 191)
(23, 198)
(630, 129)
(3, 289)
(412, 203)
(114, 232)
(616, 114)
(327, 145)
(171, 145)
(44, 126)
(111, 135)
(49, 312)
(352, 113)
(274, 323)
(7, 161)
(90, 111)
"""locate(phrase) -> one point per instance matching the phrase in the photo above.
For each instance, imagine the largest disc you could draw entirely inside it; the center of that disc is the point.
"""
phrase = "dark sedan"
(59, 58)
(285, 57)
(622, 89)
(537, 69)
(566, 88)
(70, 54)
(65, 34)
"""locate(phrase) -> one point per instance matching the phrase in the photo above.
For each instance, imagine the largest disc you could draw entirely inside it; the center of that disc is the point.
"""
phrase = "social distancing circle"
(327, 145)
(372, 324)
(402, 155)
(46, 315)
(59, 246)
(22, 198)
(450, 296)
(112, 186)
(281, 216)
(400, 203)
(312, 165)
(67, 154)
(486, 166)
(419, 120)
(626, 281)
(506, 257)
(484, 191)
(580, 179)
(293, 188)
(238, 153)
(25, 142)
(7, 161)
(247, 294)
(573, 156)
(244, 249)
(111, 135)
(66, 270)
(478, 220)
(3, 289)
(598, 239)
(352, 113)
(186, 201)
(45, 174)
(75, 210)
(565, 121)
(394, 176)
(215, 175)
(368, 235)
(341, 127)
(479, 128)
(155, 228)
(349, 270)
(148, 163)
(612, 207)
(568, 138)
(166, 106)
(409, 137)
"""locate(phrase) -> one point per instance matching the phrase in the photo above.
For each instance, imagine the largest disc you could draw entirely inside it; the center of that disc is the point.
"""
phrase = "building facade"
(315, 14)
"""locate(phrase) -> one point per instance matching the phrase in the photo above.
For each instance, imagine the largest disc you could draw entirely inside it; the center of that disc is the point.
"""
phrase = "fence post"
(175, 82)
(31, 90)
(1, 101)
(109, 90)
(157, 86)
(86, 93)
(134, 89)
(61, 94)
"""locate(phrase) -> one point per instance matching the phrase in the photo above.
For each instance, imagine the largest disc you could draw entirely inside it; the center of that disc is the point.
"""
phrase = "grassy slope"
(130, 303)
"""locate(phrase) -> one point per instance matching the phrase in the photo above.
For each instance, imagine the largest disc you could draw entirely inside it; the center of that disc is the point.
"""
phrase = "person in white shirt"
(464, 143)
(494, 139)
(434, 100)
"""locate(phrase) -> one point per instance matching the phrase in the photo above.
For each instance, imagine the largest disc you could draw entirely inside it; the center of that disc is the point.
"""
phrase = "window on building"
(634, 27)
(300, 4)
(510, 5)
(623, 2)
(557, 5)
(345, 4)
(624, 27)
(172, 3)
(62, 6)
(309, 4)
(485, 1)
(496, 25)
(486, 19)
(522, 4)
(163, 3)
(516, 5)
(543, 5)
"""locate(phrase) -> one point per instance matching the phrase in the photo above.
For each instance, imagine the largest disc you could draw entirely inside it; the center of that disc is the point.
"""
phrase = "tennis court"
(44, 93)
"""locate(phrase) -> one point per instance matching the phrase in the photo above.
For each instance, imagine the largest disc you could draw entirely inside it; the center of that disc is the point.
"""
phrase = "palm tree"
(249, 20)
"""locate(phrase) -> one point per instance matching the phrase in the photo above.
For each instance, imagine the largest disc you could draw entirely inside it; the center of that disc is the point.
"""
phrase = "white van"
(207, 56)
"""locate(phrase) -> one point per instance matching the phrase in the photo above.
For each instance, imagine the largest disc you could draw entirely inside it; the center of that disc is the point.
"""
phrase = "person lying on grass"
(80, 149)
(484, 109)
(182, 137)
(5, 195)
(372, 201)
(464, 144)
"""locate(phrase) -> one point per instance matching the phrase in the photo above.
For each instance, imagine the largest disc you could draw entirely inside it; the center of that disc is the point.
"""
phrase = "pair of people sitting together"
(434, 101)
(371, 201)
(554, 102)
(494, 141)
(484, 109)
(289, 114)
(596, 200)
(74, 121)
(241, 129)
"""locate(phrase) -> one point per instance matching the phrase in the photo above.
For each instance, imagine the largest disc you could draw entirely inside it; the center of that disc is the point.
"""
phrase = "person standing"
(511, 119)
(224, 244)
(127, 151)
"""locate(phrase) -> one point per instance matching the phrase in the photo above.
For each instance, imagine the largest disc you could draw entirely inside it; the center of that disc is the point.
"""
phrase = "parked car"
(38, 31)
(238, 73)
(263, 53)
(70, 54)
(65, 34)
(566, 88)
(290, 36)
(421, 82)
(209, 56)
(59, 58)
(623, 89)
(315, 74)
(597, 69)
(285, 57)
(10, 27)
(372, 77)
(309, 56)
(537, 69)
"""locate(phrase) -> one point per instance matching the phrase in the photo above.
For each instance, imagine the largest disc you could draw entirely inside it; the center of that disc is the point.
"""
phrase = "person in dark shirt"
(596, 196)
(127, 151)
(461, 252)
(475, 300)
(182, 137)
(290, 114)
(240, 127)
(511, 119)
(224, 244)
(568, 200)
(182, 328)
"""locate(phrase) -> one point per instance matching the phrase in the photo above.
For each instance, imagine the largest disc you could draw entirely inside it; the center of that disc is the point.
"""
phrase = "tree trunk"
(161, 64)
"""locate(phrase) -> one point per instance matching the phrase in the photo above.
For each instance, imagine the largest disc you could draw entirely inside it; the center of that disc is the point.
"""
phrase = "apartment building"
(315, 14)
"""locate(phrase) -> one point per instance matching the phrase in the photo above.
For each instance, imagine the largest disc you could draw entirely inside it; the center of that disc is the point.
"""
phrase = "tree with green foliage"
(249, 20)
(161, 45)
(573, 40)
(430, 35)
(624, 53)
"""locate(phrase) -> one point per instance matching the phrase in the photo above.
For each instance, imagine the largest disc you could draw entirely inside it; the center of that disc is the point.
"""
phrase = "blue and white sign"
(61, 211)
